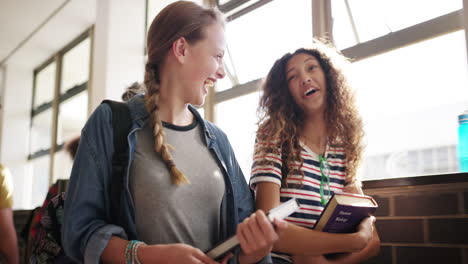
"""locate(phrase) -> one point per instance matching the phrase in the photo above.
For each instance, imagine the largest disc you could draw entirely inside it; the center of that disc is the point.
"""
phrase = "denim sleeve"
(244, 199)
(85, 230)
(242, 193)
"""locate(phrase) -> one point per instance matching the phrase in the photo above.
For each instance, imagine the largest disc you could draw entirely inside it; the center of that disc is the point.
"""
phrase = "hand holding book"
(366, 228)
(279, 212)
(348, 213)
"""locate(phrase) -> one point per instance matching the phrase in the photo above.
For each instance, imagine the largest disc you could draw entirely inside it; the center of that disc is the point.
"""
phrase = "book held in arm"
(279, 212)
(344, 212)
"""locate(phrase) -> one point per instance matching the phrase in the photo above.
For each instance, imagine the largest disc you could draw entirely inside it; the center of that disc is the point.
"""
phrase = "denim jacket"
(87, 230)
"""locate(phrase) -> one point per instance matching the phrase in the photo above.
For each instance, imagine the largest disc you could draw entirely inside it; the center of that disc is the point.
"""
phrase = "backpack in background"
(47, 240)
(47, 243)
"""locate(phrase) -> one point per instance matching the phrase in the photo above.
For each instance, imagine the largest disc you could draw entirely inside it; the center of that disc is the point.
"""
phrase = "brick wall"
(422, 219)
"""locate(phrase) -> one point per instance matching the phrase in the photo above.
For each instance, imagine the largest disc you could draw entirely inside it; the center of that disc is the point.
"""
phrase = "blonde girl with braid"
(308, 146)
(183, 191)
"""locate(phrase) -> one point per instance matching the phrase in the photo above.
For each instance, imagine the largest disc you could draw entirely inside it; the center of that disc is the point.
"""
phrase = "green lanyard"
(324, 179)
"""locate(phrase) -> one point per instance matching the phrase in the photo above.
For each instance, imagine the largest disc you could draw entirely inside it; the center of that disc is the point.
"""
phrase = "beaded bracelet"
(128, 252)
(135, 252)
(131, 256)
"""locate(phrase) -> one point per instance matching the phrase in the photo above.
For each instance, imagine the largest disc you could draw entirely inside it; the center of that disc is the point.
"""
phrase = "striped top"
(307, 189)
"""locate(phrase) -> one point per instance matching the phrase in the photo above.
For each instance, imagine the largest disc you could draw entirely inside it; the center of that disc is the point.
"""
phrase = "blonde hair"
(180, 19)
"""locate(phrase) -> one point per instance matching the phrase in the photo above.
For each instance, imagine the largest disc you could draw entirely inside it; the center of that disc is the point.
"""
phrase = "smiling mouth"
(310, 91)
(209, 83)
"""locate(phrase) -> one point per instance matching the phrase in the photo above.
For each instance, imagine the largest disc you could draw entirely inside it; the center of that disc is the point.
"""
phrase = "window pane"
(41, 131)
(45, 83)
(260, 37)
(238, 118)
(40, 180)
(62, 165)
(72, 117)
(377, 18)
(75, 66)
(201, 111)
(402, 13)
(227, 82)
(343, 34)
(410, 99)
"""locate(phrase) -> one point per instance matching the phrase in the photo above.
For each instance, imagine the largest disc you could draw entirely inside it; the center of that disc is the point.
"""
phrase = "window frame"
(58, 97)
(322, 26)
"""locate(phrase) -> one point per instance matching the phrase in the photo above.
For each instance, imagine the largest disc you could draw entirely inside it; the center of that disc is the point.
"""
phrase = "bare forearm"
(243, 259)
(9, 243)
(298, 240)
(114, 253)
(371, 250)
(10, 252)
(303, 241)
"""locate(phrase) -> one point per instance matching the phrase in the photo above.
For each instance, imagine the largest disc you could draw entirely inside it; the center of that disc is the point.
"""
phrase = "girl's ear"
(179, 49)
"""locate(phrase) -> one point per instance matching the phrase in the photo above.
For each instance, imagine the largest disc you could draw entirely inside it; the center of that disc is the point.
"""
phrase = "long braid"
(180, 19)
(160, 146)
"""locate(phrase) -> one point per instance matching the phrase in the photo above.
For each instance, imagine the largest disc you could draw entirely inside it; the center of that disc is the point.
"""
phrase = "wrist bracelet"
(135, 252)
(131, 251)
(128, 252)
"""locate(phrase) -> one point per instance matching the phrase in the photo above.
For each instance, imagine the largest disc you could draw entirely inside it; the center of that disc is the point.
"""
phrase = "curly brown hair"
(281, 119)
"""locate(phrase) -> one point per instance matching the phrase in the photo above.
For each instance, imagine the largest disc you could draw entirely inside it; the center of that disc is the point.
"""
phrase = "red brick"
(428, 255)
(384, 257)
(426, 204)
(384, 206)
(400, 230)
(465, 194)
(448, 231)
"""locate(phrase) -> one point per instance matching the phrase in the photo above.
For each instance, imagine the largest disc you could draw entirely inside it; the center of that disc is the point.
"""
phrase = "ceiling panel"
(19, 18)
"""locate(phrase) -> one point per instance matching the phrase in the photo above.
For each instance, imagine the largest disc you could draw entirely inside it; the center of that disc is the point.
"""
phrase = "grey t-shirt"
(166, 213)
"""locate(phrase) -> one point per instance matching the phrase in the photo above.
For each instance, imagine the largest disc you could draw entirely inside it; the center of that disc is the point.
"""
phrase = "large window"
(257, 35)
(409, 99)
(357, 21)
(240, 126)
(409, 69)
(256, 39)
(410, 72)
(59, 111)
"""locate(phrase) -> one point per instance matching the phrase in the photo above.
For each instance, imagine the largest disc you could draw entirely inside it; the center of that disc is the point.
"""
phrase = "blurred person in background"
(8, 241)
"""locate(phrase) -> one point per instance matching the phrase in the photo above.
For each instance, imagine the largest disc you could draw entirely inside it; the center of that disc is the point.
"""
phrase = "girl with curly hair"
(308, 146)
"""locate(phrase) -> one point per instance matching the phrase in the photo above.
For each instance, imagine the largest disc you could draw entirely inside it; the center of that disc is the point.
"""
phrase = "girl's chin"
(313, 109)
(199, 101)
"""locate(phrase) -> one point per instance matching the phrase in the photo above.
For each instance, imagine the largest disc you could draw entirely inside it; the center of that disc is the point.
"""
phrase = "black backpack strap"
(121, 124)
